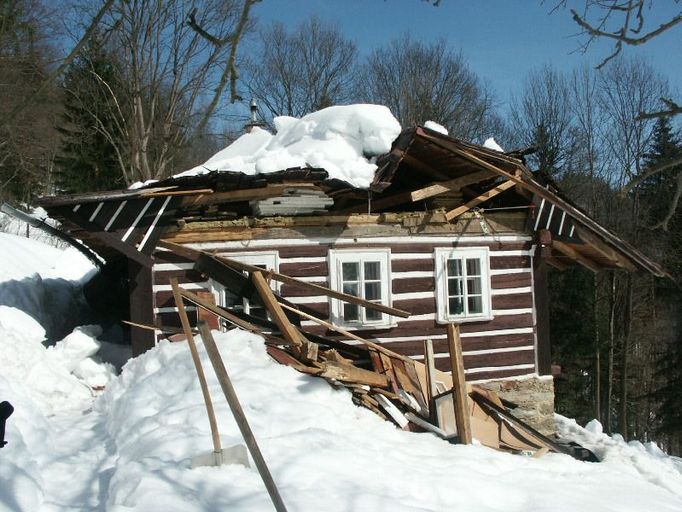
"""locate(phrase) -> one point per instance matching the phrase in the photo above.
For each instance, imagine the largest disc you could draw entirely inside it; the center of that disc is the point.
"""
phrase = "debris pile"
(413, 395)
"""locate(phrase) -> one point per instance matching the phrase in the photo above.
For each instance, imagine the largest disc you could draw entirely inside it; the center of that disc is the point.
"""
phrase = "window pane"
(350, 271)
(454, 268)
(372, 291)
(372, 270)
(350, 312)
(456, 305)
(474, 286)
(473, 267)
(372, 314)
(475, 305)
(351, 289)
(454, 287)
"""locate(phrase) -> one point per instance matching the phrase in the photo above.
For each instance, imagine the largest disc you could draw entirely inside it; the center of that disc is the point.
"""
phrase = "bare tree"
(303, 70)
(542, 117)
(421, 82)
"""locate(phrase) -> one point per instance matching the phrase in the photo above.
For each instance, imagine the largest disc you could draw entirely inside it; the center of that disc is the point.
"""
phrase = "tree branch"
(672, 110)
(646, 175)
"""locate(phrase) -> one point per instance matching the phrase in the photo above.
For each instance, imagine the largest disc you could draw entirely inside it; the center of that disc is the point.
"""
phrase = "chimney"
(248, 127)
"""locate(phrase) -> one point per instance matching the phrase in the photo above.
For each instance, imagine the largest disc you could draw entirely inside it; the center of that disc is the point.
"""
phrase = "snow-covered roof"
(343, 140)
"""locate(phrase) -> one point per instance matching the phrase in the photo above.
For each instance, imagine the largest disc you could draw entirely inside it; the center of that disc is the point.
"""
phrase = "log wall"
(499, 348)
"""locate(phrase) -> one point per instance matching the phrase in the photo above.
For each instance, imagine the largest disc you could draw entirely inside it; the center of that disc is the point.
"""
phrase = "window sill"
(464, 319)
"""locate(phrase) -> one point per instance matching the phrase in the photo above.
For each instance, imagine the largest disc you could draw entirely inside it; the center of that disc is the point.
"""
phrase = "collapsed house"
(446, 233)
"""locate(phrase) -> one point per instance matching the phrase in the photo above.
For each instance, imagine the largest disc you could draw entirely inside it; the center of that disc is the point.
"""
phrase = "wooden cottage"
(448, 231)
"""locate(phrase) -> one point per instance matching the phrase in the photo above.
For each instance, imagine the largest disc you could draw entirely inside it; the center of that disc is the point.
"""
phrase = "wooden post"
(459, 390)
(217, 448)
(141, 306)
(239, 416)
(430, 367)
(289, 332)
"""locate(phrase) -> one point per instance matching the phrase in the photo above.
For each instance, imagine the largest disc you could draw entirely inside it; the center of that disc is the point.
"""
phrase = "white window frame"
(339, 256)
(270, 259)
(442, 255)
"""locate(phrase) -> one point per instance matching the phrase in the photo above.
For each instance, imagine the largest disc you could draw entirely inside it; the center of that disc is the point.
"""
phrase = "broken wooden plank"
(459, 392)
(489, 194)
(430, 366)
(247, 194)
(289, 332)
(215, 434)
(348, 373)
(448, 186)
(392, 411)
(239, 416)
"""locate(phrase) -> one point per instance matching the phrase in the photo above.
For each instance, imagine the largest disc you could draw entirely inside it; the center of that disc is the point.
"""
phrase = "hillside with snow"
(72, 446)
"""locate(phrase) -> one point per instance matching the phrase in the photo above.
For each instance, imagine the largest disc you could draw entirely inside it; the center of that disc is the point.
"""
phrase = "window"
(463, 284)
(364, 274)
(225, 298)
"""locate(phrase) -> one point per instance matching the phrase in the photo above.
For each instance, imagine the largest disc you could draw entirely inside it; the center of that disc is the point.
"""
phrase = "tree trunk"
(623, 418)
(597, 353)
(612, 340)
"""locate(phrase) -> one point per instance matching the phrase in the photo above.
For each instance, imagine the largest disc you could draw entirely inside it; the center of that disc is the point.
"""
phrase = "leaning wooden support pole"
(430, 367)
(217, 448)
(239, 416)
(459, 389)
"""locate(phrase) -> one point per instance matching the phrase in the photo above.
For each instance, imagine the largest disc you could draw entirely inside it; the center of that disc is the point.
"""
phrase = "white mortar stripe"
(509, 312)
(499, 332)
(75, 208)
(505, 271)
(94, 214)
(173, 309)
(412, 275)
(511, 253)
(484, 352)
(537, 219)
(115, 215)
(508, 378)
(156, 220)
(307, 259)
(561, 224)
(549, 219)
(246, 244)
(188, 286)
(321, 299)
(139, 216)
(161, 267)
(500, 368)
(510, 291)
(412, 295)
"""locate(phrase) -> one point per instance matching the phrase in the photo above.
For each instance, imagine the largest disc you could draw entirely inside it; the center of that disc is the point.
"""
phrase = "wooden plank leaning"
(459, 390)
(217, 449)
(239, 416)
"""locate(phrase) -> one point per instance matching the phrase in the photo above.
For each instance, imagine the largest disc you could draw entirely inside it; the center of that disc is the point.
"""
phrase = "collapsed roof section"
(425, 171)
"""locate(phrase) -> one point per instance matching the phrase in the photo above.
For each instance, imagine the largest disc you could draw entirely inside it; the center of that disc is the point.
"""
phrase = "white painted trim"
(537, 219)
(75, 208)
(206, 285)
(163, 267)
(115, 216)
(94, 214)
(561, 224)
(505, 271)
(572, 230)
(254, 244)
(154, 222)
(524, 348)
(137, 219)
(549, 219)
(511, 291)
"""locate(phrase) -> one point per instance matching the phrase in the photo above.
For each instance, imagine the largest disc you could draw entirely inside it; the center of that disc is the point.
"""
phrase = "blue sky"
(501, 39)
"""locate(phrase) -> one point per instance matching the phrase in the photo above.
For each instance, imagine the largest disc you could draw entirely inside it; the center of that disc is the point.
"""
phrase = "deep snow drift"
(129, 448)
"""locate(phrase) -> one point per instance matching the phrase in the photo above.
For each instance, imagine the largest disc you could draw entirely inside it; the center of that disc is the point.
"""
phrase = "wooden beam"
(430, 366)
(215, 434)
(450, 185)
(289, 332)
(341, 330)
(141, 306)
(239, 416)
(423, 166)
(348, 373)
(480, 199)
(573, 254)
(556, 263)
(606, 251)
(247, 194)
(165, 193)
(459, 390)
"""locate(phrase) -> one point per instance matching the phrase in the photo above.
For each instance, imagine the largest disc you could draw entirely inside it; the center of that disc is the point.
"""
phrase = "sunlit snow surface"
(129, 449)
(343, 140)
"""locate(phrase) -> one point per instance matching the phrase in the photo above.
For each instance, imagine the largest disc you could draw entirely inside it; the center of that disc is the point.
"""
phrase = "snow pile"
(644, 459)
(433, 126)
(491, 143)
(342, 140)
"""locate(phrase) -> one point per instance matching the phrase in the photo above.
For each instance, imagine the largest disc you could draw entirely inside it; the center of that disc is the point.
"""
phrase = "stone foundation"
(534, 397)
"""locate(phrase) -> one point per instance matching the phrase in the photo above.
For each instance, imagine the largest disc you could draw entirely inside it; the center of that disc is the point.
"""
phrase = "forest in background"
(155, 88)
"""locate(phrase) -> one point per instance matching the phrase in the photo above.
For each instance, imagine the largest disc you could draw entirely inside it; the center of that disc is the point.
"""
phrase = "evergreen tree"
(88, 159)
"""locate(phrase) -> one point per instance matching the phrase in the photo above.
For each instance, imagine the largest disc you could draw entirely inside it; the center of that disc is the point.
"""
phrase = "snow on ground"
(342, 140)
(129, 449)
